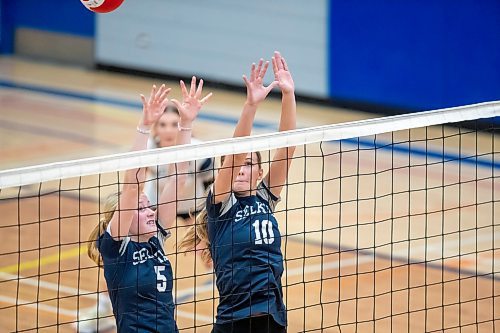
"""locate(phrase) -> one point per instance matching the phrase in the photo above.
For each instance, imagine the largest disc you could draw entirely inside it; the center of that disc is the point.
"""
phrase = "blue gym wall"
(411, 55)
(70, 17)
(415, 54)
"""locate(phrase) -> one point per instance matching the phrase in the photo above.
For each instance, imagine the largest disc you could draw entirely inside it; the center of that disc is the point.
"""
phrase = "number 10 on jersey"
(263, 232)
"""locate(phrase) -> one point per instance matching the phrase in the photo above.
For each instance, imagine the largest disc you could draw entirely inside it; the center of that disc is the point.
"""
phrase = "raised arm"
(278, 171)
(256, 93)
(128, 202)
(188, 111)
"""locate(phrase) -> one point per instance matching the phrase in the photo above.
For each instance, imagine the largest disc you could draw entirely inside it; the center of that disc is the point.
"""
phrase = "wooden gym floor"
(51, 113)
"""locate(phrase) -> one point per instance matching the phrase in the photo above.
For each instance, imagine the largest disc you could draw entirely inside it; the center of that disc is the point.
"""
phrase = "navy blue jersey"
(245, 244)
(139, 278)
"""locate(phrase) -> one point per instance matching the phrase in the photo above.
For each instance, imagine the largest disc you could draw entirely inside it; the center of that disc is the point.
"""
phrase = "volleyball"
(102, 6)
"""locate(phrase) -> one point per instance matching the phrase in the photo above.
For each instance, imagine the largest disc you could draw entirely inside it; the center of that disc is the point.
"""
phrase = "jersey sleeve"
(213, 209)
(219, 209)
(265, 193)
(110, 247)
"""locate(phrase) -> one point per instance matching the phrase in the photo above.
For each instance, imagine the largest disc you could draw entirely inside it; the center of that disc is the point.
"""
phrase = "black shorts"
(260, 324)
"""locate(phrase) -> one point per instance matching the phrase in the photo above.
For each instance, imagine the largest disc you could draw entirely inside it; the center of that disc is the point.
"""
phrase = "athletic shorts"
(260, 324)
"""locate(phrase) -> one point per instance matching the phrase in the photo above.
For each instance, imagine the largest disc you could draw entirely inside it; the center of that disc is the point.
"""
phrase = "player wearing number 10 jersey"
(246, 251)
(239, 224)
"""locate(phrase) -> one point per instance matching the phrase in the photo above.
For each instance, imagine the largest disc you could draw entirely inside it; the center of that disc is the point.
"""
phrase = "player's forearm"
(167, 203)
(183, 137)
(245, 123)
(140, 143)
(288, 120)
(243, 128)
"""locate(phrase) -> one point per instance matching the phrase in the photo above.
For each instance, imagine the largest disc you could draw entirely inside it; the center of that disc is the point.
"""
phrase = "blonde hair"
(197, 234)
(109, 209)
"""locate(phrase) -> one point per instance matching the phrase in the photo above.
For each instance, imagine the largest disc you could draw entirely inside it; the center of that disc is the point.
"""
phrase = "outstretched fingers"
(191, 101)
(259, 68)
(199, 89)
(245, 79)
(252, 73)
(264, 70)
(275, 67)
(184, 91)
(164, 91)
(159, 92)
(154, 105)
(143, 99)
(192, 90)
(205, 99)
(164, 100)
(152, 94)
(271, 86)
(285, 65)
(279, 62)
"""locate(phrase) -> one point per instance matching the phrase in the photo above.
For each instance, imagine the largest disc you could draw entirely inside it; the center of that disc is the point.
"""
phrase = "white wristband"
(143, 131)
(183, 128)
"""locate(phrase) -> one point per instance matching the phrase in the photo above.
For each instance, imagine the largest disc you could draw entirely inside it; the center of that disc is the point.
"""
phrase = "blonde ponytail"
(196, 234)
(109, 209)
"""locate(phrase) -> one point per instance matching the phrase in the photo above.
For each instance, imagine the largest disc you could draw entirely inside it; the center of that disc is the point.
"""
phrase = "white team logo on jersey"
(252, 210)
(144, 255)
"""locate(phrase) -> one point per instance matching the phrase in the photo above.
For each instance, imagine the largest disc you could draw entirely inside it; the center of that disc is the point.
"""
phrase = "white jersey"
(192, 194)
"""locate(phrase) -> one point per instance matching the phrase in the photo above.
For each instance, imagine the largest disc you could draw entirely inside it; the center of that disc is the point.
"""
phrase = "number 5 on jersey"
(161, 280)
(263, 232)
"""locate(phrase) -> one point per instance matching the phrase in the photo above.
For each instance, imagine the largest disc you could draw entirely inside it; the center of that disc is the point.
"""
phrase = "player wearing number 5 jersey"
(239, 224)
(128, 242)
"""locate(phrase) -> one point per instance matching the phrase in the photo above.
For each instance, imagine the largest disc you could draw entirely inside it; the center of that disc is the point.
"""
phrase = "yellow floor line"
(35, 263)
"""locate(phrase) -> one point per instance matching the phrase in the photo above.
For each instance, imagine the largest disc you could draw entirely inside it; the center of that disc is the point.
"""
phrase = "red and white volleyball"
(102, 6)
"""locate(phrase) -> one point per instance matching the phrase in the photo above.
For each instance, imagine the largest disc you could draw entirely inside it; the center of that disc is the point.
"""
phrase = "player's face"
(144, 223)
(166, 129)
(250, 173)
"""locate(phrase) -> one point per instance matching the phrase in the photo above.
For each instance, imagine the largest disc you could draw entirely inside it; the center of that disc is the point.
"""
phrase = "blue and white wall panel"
(218, 39)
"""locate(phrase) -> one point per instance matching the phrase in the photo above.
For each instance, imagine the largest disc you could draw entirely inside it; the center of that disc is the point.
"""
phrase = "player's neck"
(244, 194)
(143, 238)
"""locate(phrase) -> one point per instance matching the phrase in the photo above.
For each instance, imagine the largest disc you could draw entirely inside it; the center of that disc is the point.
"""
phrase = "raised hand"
(191, 101)
(282, 74)
(256, 91)
(153, 108)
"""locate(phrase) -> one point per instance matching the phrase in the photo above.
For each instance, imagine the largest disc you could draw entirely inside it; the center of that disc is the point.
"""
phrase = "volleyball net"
(388, 225)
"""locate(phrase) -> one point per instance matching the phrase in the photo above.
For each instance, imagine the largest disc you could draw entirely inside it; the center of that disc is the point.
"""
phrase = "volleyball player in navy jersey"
(128, 242)
(239, 223)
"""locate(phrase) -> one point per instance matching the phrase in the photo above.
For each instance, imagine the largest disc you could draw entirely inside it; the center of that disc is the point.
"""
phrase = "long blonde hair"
(109, 209)
(196, 235)
(198, 232)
